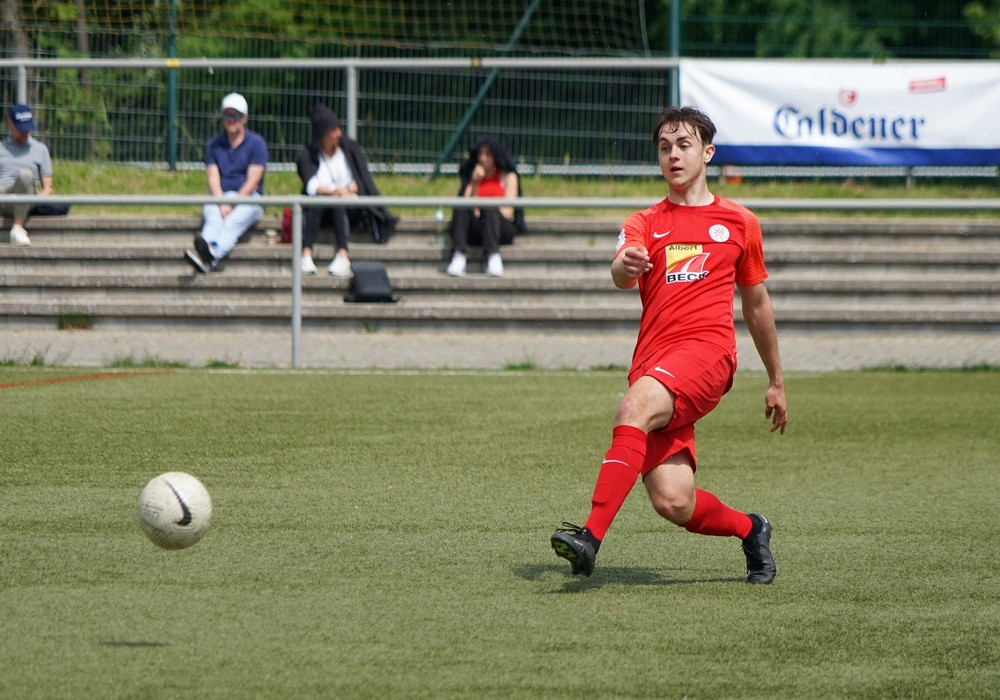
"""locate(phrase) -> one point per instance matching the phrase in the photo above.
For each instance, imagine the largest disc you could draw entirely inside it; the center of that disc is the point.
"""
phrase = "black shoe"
(576, 545)
(196, 261)
(204, 251)
(757, 547)
(202, 259)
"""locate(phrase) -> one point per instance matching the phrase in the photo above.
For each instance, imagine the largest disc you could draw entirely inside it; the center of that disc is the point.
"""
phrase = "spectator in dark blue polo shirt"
(235, 161)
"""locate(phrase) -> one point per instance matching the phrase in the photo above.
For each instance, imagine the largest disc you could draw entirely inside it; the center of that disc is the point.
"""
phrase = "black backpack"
(370, 284)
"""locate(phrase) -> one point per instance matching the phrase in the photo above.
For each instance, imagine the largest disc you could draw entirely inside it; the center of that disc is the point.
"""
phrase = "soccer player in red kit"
(685, 253)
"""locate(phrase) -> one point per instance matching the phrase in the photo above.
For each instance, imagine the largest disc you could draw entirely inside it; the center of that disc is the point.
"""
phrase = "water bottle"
(439, 227)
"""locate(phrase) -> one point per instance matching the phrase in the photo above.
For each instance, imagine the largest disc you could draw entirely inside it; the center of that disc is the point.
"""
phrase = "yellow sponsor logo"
(685, 263)
(679, 252)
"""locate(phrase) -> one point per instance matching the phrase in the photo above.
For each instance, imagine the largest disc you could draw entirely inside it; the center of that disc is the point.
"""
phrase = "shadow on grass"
(628, 576)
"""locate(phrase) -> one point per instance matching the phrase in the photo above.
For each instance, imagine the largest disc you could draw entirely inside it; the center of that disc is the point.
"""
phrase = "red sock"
(713, 517)
(619, 470)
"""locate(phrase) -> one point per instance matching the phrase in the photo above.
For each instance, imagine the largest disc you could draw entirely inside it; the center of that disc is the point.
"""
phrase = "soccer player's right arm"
(631, 257)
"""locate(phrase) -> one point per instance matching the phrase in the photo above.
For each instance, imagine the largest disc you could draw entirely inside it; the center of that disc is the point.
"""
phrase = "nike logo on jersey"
(660, 369)
(662, 235)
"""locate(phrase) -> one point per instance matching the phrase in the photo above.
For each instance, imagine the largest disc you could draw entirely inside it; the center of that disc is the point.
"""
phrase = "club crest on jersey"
(686, 263)
(718, 233)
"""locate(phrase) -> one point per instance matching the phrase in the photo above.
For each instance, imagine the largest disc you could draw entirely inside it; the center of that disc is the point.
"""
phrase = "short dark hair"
(675, 116)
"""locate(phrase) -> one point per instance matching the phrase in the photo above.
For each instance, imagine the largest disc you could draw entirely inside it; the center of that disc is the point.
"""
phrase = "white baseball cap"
(236, 101)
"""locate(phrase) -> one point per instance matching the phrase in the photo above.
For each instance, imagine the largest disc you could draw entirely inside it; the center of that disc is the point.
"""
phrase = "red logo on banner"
(847, 97)
(931, 85)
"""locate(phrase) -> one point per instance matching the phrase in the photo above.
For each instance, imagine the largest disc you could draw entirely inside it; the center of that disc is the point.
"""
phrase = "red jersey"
(697, 253)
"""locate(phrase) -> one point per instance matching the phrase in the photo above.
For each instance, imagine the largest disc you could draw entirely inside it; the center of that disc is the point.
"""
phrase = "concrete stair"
(825, 273)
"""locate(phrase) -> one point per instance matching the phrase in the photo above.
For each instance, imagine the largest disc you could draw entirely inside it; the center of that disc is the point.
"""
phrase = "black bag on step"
(370, 284)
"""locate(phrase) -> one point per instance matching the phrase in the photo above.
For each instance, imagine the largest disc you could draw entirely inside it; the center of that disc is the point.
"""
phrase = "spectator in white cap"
(25, 168)
(235, 161)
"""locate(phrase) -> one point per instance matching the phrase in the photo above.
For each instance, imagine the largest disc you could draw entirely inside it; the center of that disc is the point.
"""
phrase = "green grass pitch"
(385, 535)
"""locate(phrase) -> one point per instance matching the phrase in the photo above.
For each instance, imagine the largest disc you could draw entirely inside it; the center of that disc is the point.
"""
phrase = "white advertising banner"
(807, 112)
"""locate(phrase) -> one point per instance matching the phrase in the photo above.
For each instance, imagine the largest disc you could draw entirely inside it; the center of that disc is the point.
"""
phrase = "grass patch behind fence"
(385, 535)
(102, 178)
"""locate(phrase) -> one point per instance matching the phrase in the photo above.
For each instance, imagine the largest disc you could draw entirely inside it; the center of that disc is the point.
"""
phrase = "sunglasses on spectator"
(231, 116)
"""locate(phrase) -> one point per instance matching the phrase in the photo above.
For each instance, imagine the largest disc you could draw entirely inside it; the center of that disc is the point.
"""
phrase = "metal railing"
(298, 202)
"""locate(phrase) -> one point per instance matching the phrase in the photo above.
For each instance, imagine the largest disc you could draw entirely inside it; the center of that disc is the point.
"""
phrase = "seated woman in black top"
(332, 165)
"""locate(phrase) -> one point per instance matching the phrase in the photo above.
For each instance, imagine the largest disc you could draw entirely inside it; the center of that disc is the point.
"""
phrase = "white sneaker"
(18, 236)
(494, 265)
(308, 266)
(340, 267)
(456, 268)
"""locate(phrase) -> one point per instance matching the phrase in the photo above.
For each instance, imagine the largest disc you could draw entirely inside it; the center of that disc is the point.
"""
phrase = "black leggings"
(490, 229)
(314, 217)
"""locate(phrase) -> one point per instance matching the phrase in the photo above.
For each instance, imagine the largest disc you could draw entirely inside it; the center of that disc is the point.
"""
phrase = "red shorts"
(698, 375)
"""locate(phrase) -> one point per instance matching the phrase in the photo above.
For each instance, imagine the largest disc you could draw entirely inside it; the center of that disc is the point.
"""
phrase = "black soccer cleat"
(576, 545)
(757, 547)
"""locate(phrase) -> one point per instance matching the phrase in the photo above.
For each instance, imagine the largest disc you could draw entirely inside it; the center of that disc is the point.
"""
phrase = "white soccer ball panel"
(174, 510)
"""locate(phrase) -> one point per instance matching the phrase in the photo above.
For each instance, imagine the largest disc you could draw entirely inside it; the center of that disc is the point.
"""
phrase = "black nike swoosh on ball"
(186, 520)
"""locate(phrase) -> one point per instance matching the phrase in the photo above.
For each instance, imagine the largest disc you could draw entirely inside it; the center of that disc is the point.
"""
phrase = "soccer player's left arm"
(759, 317)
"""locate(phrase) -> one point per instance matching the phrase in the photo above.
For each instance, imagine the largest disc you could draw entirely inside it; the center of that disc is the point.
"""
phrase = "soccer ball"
(174, 510)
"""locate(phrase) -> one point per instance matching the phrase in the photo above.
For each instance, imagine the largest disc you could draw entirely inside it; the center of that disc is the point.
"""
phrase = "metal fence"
(584, 112)
(556, 116)
(409, 111)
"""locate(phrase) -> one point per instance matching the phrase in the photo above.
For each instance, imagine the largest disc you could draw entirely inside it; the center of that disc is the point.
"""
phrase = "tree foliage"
(985, 19)
(94, 119)
(829, 28)
(725, 28)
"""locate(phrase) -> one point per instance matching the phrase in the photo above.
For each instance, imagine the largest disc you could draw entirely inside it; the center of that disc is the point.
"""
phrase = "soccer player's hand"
(635, 262)
(776, 408)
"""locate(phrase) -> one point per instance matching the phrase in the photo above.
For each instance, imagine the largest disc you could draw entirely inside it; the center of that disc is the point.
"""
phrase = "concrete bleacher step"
(833, 272)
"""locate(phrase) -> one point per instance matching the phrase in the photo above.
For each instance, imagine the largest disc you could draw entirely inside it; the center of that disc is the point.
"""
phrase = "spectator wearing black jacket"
(332, 165)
